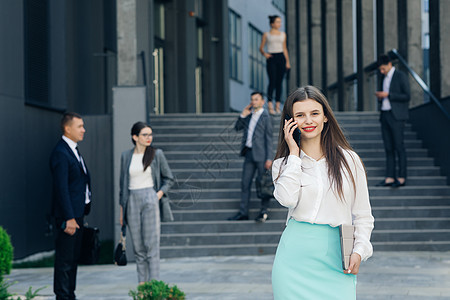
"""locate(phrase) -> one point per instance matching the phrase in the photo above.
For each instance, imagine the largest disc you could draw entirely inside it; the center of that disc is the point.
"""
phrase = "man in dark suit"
(71, 201)
(393, 98)
(257, 150)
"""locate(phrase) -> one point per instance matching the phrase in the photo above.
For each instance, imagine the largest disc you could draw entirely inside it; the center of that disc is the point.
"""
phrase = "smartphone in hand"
(296, 134)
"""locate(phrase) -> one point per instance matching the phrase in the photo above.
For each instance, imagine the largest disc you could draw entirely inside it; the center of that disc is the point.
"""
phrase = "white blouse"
(139, 179)
(304, 187)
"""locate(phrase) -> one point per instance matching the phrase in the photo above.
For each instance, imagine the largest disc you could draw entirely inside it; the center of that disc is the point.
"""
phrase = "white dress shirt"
(252, 125)
(385, 103)
(304, 187)
(139, 179)
(73, 146)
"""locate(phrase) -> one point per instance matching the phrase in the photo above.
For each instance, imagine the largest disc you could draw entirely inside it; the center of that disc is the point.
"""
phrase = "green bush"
(4, 294)
(157, 290)
(6, 253)
(29, 295)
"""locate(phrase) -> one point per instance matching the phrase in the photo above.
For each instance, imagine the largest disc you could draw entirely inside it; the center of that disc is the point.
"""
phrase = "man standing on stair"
(393, 98)
(257, 151)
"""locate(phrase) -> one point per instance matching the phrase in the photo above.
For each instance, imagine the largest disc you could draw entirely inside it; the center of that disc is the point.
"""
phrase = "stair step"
(255, 204)
(222, 226)
(412, 223)
(250, 238)
(238, 162)
(217, 250)
(364, 154)
(197, 192)
(412, 246)
(236, 143)
(215, 171)
(208, 136)
(281, 213)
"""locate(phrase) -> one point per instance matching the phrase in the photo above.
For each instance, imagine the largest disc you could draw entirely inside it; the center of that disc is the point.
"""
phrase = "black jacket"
(69, 183)
(399, 95)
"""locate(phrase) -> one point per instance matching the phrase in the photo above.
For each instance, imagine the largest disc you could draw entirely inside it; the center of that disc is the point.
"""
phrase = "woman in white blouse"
(145, 178)
(323, 183)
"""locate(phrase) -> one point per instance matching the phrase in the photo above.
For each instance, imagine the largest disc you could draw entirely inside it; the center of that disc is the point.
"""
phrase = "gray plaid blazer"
(162, 180)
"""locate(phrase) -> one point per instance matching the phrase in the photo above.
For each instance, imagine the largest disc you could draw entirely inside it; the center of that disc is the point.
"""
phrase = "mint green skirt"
(308, 265)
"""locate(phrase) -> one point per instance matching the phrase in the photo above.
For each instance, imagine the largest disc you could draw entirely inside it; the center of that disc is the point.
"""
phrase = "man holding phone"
(256, 148)
(71, 201)
(393, 98)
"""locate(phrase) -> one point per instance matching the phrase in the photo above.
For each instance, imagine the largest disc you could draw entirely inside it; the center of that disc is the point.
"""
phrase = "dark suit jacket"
(399, 95)
(69, 183)
(162, 181)
(262, 136)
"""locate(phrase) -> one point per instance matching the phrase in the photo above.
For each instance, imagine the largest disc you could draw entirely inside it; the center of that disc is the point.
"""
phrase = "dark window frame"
(257, 62)
(235, 48)
(37, 53)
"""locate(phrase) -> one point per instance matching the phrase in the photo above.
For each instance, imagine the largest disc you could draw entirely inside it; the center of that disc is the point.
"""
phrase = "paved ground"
(387, 275)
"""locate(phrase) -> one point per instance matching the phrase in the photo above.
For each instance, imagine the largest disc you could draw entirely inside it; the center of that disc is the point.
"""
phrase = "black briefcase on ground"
(90, 246)
(264, 186)
(120, 256)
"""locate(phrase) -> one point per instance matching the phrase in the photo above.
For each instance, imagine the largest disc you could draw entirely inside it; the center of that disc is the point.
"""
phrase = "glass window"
(257, 61)
(235, 45)
(159, 20)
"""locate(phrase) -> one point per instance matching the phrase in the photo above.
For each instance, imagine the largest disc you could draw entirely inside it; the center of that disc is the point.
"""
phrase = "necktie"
(81, 159)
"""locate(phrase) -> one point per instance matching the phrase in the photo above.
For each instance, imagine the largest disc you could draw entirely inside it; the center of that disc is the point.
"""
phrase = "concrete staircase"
(203, 153)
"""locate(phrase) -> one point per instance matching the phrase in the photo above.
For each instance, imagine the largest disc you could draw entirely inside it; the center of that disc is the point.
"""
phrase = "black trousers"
(67, 253)
(276, 67)
(248, 172)
(392, 131)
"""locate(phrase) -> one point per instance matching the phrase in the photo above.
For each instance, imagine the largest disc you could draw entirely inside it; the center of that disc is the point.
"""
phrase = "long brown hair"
(332, 139)
(149, 153)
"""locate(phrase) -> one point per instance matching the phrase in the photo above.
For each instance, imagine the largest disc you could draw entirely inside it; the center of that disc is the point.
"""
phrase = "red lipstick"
(309, 129)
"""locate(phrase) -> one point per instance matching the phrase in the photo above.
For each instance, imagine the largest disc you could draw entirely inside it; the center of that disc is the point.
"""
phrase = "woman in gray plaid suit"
(145, 178)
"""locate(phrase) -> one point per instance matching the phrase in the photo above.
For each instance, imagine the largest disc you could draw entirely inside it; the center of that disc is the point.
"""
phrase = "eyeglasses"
(147, 135)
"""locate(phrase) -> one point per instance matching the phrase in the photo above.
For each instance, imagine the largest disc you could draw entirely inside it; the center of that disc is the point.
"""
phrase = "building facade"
(176, 56)
(247, 22)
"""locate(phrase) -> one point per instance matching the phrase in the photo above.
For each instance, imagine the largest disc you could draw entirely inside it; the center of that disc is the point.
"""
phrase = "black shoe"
(238, 217)
(384, 183)
(397, 184)
(262, 217)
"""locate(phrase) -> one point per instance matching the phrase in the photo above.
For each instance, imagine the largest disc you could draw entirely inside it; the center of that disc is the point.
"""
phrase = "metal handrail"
(421, 83)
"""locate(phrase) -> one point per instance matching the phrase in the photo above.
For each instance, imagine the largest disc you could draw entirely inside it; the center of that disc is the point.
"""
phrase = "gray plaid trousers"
(145, 229)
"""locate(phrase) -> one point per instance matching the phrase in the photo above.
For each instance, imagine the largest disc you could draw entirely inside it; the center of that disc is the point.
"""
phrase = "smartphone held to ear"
(296, 134)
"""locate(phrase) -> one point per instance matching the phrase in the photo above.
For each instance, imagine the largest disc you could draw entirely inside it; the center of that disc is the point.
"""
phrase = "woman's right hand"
(289, 127)
(267, 55)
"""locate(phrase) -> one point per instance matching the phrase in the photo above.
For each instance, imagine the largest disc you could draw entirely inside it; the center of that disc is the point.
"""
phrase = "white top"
(385, 103)
(251, 127)
(304, 188)
(73, 146)
(275, 42)
(139, 179)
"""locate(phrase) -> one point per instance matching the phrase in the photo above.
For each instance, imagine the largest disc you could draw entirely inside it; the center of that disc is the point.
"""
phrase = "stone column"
(415, 52)
(292, 31)
(316, 41)
(126, 43)
(369, 54)
(390, 25)
(331, 50)
(348, 53)
(304, 77)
